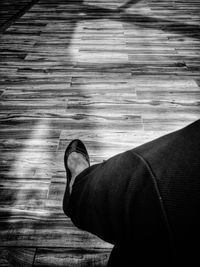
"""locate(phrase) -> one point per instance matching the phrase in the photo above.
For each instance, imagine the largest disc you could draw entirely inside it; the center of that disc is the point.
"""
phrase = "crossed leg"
(129, 201)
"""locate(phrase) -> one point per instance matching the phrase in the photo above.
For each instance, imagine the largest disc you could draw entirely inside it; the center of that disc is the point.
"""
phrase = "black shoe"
(75, 145)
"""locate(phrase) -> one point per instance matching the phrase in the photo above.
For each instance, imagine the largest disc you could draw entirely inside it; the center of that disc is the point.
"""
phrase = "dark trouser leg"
(116, 201)
(101, 197)
(120, 200)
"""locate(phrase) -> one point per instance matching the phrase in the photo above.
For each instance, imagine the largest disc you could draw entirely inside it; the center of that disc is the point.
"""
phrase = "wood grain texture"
(67, 257)
(11, 10)
(12, 257)
(113, 77)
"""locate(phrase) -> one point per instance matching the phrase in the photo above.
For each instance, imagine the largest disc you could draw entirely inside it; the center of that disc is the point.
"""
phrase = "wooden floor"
(113, 77)
(11, 10)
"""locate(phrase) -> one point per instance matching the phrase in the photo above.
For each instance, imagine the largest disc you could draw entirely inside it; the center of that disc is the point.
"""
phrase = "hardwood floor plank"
(70, 257)
(11, 9)
(22, 257)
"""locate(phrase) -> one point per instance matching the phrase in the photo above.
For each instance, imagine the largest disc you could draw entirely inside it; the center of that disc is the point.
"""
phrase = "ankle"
(77, 163)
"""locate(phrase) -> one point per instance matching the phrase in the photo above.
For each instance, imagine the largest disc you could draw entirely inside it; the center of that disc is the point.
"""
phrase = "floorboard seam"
(34, 257)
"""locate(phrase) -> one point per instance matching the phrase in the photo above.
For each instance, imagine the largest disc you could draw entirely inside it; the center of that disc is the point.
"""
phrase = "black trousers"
(145, 201)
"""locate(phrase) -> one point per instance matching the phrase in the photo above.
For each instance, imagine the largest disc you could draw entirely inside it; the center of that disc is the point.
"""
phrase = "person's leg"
(122, 200)
(175, 162)
(110, 201)
(98, 196)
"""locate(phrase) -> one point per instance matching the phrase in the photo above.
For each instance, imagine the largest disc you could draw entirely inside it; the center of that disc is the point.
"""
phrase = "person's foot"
(76, 163)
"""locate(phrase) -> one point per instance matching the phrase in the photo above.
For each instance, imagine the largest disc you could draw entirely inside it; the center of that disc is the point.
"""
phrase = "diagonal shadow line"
(165, 25)
(19, 14)
(128, 4)
(188, 30)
